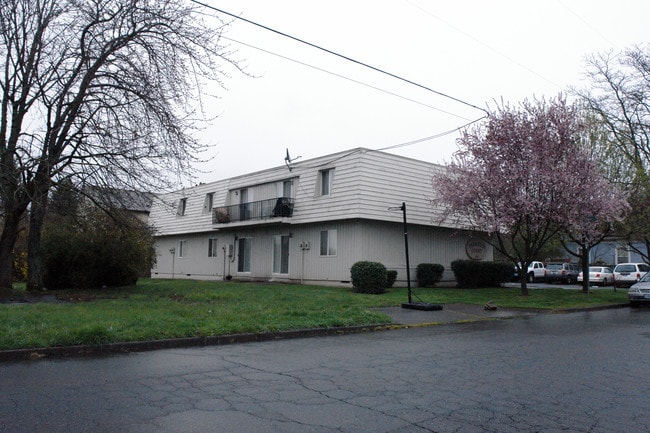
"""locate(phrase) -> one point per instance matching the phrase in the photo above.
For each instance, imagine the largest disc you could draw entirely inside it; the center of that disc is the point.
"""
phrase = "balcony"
(281, 207)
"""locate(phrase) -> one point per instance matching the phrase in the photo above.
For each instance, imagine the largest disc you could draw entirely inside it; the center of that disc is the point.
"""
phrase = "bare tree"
(619, 97)
(105, 92)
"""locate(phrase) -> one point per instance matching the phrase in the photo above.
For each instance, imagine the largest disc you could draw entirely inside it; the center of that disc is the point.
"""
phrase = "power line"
(344, 77)
(395, 146)
(432, 137)
(591, 27)
(483, 43)
(318, 47)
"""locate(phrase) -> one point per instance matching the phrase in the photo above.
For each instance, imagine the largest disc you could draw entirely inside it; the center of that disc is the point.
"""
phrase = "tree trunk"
(34, 263)
(10, 231)
(523, 279)
(585, 267)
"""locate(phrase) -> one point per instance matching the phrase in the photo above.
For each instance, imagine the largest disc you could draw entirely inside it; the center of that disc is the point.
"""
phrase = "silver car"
(639, 293)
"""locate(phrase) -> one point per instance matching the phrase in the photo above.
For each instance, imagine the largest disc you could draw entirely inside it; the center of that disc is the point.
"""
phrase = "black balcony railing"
(281, 207)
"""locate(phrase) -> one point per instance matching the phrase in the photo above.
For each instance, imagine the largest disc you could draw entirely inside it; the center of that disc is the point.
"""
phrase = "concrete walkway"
(451, 313)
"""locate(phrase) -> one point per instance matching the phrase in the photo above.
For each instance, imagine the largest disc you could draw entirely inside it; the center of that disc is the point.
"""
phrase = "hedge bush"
(428, 274)
(391, 276)
(95, 251)
(473, 274)
(369, 277)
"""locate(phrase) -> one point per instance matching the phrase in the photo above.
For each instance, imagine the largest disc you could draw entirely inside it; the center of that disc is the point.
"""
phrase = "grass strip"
(161, 309)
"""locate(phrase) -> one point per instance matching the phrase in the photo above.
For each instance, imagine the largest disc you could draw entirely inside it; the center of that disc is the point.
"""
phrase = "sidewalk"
(451, 313)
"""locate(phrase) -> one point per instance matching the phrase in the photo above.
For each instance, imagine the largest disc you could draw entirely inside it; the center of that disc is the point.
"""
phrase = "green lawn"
(157, 309)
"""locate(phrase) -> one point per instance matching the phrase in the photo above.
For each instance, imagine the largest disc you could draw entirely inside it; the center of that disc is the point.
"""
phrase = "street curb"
(580, 309)
(176, 343)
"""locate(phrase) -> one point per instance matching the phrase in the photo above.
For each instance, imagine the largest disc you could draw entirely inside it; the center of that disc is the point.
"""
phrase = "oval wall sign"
(476, 249)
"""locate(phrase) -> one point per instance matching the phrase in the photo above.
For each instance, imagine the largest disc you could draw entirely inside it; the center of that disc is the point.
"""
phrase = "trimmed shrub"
(391, 276)
(475, 274)
(368, 277)
(428, 274)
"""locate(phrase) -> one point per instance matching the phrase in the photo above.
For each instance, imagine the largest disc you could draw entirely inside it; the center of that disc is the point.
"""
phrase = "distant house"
(613, 251)
(137, 203)
(309, 222)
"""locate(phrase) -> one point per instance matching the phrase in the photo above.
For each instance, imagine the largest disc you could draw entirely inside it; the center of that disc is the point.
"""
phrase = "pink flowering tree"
(523, 177)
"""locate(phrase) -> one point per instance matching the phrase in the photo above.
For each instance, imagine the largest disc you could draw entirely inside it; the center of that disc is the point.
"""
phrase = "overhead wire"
(432, 137)
(396, 146)
(521, 65)
(586, 23)
(334, 53)
(344, 77)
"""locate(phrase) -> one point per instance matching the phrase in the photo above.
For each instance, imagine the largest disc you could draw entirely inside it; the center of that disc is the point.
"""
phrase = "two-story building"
(309, 222)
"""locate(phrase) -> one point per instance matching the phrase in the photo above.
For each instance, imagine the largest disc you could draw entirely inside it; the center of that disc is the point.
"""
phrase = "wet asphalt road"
(578, 372)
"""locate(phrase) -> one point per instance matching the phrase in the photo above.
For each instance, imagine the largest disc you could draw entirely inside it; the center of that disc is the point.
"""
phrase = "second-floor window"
(286, 188)
(182, 206)
(325, 181)
(208, 204)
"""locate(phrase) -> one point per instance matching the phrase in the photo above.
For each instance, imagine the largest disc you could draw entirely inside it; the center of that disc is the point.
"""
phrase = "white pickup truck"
(536, 272)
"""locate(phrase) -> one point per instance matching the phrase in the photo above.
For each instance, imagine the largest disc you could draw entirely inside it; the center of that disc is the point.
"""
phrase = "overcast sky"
(473, 51)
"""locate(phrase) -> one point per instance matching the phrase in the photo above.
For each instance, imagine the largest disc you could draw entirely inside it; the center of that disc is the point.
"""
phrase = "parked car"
(535, 272)
(626, 274)
(599, 275)
(563, 272)
(639, 293)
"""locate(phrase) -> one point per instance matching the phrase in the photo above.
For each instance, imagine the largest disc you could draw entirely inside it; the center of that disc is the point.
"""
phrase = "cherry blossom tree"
(523, 177)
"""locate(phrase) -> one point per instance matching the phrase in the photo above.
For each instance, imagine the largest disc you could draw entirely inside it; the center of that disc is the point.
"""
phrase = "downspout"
(223, 276)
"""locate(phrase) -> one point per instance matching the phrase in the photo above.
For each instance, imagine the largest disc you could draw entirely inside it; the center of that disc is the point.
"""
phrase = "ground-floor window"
(182, 249)
(244, 255)
(281, 254)
(212, 247)
(328, 243)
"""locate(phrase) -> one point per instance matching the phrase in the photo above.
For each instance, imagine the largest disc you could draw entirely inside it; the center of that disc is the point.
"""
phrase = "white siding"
(165, 219)
(365, 185)
(357, 240)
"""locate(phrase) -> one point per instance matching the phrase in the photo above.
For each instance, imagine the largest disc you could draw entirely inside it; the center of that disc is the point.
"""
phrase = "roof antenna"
(288, 160)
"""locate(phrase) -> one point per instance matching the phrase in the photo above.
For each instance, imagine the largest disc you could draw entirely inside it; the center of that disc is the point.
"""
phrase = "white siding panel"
(357, 240)
(164, 215)
(365, 185)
